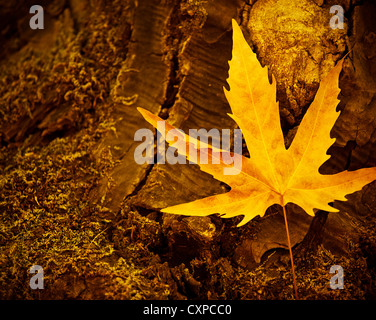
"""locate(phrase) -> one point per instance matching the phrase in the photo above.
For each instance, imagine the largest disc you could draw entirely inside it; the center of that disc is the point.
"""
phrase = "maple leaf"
(272, 174)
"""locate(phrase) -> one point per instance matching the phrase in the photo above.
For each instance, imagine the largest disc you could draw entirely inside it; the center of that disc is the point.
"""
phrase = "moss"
(75, 72)
(313, 278)
(45, 213)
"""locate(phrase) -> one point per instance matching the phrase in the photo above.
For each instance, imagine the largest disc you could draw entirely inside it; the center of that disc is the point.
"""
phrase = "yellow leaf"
(272, 174)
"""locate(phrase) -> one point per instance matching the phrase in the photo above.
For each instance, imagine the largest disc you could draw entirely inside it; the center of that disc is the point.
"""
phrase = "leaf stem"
(290, 250)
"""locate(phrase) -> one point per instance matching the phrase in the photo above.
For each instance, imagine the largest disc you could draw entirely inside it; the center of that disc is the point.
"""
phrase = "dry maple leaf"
(272, 174)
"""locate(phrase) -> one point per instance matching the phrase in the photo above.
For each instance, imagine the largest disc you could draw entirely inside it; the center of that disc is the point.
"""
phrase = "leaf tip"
(242, 223)
(236, 31)
(143, 111)
(234, 24)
